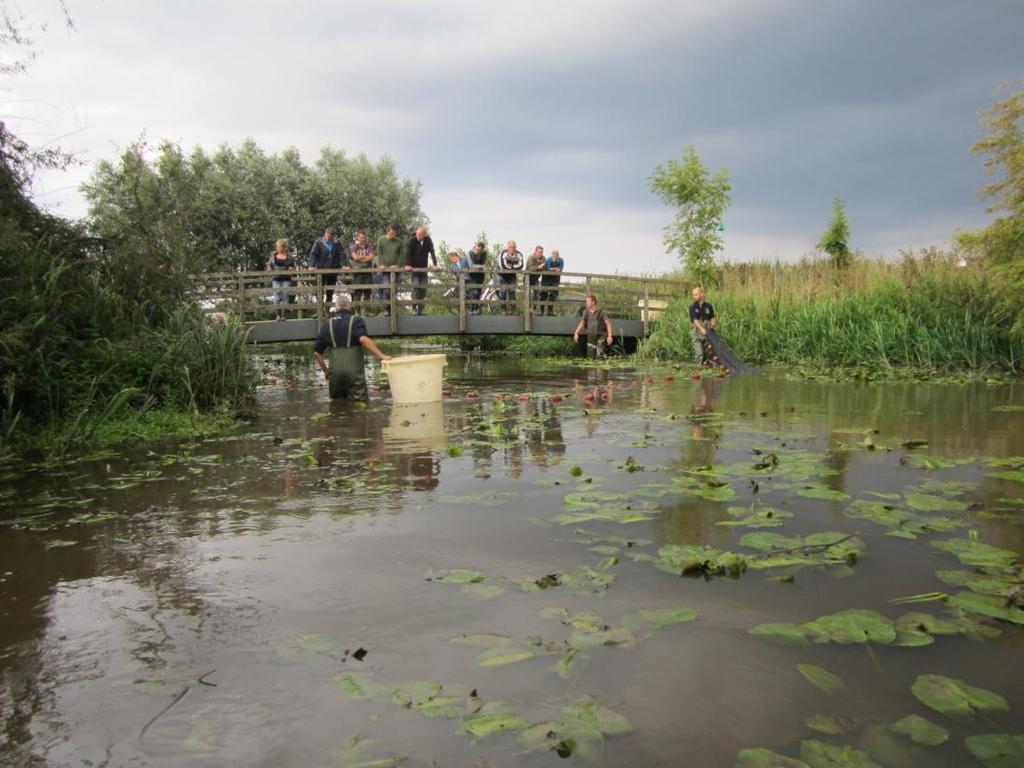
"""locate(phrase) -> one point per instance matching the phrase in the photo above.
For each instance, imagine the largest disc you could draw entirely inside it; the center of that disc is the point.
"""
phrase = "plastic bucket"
(415, 378)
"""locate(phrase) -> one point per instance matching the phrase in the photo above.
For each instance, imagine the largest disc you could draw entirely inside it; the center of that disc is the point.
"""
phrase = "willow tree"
(1001, 243)
(700, 199)
(836, 240)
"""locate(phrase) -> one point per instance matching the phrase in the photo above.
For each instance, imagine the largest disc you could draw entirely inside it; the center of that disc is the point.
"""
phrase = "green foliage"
(93, 336)
(836, 240)
(924, 313)
(701, 199)
(169, 212)
(1001, 243)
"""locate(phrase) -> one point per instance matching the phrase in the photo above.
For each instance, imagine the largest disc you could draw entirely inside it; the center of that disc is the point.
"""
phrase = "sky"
(542, 121)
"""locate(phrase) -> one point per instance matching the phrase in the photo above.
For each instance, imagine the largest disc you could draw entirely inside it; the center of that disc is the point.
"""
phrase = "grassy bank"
(923, 313)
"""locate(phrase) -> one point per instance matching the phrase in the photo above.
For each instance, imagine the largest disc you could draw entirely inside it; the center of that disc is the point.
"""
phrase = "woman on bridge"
(282, 265)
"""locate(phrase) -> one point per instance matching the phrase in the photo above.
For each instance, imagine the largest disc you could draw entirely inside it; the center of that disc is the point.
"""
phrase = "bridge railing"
(252, 296)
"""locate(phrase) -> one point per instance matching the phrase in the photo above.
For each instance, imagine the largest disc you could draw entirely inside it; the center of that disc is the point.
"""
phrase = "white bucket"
(414, 378)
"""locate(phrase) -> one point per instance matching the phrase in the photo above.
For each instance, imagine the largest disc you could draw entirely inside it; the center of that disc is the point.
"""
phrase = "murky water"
(263, 599)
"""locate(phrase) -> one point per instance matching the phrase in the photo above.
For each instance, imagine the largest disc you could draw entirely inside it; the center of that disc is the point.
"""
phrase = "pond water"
(489, 582)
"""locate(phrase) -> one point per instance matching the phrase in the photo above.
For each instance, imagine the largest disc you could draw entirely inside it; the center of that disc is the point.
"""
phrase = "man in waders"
(593, 319)
(702, 320)
(344, 337)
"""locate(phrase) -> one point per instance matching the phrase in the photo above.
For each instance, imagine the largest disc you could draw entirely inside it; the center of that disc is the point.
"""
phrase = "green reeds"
(924, 313)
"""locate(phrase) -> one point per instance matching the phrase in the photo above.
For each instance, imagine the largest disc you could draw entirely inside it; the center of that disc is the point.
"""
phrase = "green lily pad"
(924, 502)
(921, 730)
(955, 698)
(716, 492)
(503, 655)
(1016, 475)
(361, 687)
(415, 692)
(821, 678)
(997, 750)
(823, 493)
(832, 726)
(973, 552)
(994, 606)
(689, 560)
(762, 517)
(818, 754)
(481, 726)
(853, 626)
(660, 617)
(765, 758)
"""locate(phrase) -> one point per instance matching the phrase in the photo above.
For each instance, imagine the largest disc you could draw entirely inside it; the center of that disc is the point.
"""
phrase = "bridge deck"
(451, 303)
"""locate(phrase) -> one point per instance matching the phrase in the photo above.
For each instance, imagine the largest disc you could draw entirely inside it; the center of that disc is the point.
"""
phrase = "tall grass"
(921, 312)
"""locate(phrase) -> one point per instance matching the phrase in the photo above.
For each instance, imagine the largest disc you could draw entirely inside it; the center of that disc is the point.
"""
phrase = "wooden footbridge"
(428, 302)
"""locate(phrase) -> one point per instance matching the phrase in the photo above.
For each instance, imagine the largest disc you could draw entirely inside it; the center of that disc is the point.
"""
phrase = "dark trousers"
(507, 292)
(329, 280)
(362, 277)
(474, 290)
(549, 294)
(419, 290)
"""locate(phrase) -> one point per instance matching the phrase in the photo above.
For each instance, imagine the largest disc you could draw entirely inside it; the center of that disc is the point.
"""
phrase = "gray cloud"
(875, 102)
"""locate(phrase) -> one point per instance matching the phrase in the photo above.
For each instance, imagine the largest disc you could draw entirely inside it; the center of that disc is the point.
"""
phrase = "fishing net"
(717, 353)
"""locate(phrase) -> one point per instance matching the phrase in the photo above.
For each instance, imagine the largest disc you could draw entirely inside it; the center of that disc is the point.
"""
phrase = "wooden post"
(526, 303)
(241, 298)
(462, 302)
(647, 304)
(392, 296)
(319, 298)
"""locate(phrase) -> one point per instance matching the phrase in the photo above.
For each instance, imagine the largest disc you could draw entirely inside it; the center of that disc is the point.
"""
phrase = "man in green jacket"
(390, 261)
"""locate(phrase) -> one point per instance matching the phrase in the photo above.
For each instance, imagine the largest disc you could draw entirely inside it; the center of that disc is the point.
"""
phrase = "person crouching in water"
(344, 337)
(595, 320)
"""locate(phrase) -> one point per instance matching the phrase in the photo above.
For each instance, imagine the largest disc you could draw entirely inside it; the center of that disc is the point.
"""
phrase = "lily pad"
(955, 698)
(925, 502)
(658, 617)
(972, 552)
(822, 678)
(994, 606)
(782, 632)
(921, 730)
(765, 758)
(361, 687)
(823, 493)
(832, 726)
(456, 576)
(818, 754)
(689, 560)
(997, 750)
(852, 626)
(503, 655)
(482, 725)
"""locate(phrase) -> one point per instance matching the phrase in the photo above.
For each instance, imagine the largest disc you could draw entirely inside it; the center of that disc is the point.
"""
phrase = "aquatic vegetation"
(821, 678)
(818, 754)
(920, 730)
(832, 726)
(970, 551)
(756, 517)
(955, 698)
(997, 750)
(766, 758)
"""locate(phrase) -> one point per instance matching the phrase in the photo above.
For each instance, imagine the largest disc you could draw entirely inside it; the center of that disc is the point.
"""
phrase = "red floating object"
(556, 398)
(648, 381)
(670, 378)
(446, 392)
(472, 393)
(524, 398)
(695, 376)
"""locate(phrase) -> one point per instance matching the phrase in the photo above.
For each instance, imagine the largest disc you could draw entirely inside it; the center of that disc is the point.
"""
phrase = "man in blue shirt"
(327, 253)
(550, 279)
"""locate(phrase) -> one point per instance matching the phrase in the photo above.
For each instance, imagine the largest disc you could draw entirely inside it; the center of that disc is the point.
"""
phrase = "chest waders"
(347, 380)
(597, 336)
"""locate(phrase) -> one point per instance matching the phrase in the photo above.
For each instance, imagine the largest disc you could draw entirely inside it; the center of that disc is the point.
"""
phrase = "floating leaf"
(924, 502)
(955, 698)
(481, 725)
(360, 687)
(818, 754)
(833, 726)
(920, 730)
(1017, 475)
(688, 560)
(972, 552)
(995, 606)
(997, 750)
(506, 654)
(853, 626)
(787, 633)
(483, 640)
(454, 451)
(822, 678)
(663, 617)
(765, 758)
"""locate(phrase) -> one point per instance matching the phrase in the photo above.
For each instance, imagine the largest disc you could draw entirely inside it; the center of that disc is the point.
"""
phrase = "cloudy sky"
(541, 121)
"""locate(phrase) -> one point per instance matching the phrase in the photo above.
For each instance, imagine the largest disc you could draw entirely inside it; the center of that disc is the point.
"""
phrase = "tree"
(223, 211)
(836, 240)
(701, 200)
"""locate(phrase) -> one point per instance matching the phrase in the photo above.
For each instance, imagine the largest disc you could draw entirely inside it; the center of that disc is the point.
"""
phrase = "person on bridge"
(550, 279)
(477, 264)
(281, 264)
(390, 258)
(344, 338)
(420, 248)
(326, 253)
(535, 265)
(510, 261)
(361, 258)
(702, 320)
(593, 320)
